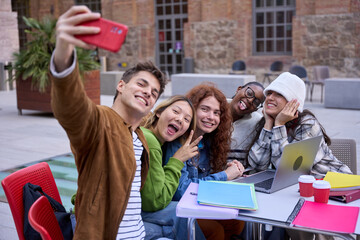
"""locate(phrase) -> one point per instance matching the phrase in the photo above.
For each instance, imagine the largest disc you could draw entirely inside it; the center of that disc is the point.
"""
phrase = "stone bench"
(109, 81)
(342, 93)
(228, 84)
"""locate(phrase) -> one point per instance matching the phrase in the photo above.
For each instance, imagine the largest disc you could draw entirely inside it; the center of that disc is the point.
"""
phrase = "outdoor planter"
(31, 99)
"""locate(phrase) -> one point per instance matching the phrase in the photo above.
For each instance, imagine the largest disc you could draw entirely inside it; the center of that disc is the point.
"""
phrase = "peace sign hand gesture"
(189, 149)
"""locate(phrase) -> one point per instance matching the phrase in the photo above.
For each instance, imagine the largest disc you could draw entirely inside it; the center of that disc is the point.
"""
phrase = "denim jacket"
(190, 172)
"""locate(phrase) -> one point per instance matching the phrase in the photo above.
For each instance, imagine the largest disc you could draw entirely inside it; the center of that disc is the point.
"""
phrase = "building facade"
(215, 33)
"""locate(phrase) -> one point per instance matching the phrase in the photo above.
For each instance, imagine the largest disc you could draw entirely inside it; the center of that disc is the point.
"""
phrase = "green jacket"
(162, 181)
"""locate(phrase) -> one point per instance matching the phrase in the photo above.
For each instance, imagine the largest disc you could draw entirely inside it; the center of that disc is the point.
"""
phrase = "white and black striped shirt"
(132, 226)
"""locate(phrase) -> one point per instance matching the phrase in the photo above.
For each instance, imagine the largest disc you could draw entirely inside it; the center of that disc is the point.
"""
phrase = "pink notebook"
(189, 207)
(327, 217)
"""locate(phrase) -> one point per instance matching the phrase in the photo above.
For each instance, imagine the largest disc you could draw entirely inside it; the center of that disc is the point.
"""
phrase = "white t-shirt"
(132, 226)
(242, 136)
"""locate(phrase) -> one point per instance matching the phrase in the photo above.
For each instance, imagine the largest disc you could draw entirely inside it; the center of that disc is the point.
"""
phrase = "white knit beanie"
(290, 86)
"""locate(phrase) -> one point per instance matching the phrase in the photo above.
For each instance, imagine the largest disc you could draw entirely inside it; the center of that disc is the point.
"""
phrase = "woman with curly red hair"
(214, 123)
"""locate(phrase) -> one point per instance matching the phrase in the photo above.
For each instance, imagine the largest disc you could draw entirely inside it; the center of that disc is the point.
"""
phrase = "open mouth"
(172, 129)
(208, 124)
(142, 100)
(271, 105)
(242, 105)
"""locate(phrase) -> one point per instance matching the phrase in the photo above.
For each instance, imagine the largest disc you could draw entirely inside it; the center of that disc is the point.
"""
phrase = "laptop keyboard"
(266, 184)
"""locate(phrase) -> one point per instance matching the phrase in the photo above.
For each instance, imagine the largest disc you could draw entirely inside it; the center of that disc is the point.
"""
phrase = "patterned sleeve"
(271, 145)
(260, 152)
(324, 161)
(278, 142)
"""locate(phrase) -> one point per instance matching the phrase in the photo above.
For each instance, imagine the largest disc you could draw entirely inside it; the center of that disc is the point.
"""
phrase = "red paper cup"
(321, 191)
(306, 185)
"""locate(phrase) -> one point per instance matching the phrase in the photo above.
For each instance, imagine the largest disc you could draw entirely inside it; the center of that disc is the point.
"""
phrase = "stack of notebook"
(227, 194)
(188, 207)
(344, 187)
(216, 200)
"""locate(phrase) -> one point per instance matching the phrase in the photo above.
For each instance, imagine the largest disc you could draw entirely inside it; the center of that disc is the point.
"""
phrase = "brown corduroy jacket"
(103, 148)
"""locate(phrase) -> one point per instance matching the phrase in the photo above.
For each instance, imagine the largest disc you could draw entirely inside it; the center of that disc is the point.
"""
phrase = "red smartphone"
(111, 36)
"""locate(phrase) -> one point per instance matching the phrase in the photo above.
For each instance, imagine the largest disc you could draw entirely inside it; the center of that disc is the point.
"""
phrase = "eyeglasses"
(249, 93)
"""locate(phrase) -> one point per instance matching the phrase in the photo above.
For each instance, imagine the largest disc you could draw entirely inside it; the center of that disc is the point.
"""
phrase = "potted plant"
(32, 68)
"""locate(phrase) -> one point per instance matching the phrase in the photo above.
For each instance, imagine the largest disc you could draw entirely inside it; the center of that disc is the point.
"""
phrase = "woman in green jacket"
(172, 119)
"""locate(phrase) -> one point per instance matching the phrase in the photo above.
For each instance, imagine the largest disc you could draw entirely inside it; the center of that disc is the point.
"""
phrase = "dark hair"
(221, 136)
(251, 83)
(147, 66)
(290, 127)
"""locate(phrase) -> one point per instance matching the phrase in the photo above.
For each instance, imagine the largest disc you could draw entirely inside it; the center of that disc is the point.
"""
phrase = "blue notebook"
(227, 194)
(188, 207)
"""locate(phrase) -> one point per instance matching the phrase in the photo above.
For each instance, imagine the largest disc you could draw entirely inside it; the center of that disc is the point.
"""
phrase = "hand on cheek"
(288, 113)
(269, 121)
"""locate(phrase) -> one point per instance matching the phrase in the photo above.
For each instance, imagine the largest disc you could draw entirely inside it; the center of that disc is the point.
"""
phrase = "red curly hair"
(220, 138)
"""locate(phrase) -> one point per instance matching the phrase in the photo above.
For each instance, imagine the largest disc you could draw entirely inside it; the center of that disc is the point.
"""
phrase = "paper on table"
(342, 180)
(327, 217)
(189, 207)
(227, 194)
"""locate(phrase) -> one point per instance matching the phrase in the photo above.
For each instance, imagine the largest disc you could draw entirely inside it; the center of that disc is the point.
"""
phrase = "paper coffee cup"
(306, 185)
(321, 191)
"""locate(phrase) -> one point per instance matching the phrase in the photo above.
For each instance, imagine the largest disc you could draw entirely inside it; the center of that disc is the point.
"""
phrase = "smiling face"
(241, 105)
(207, 115)
(138, 96)
(274, 103)
(173, 122)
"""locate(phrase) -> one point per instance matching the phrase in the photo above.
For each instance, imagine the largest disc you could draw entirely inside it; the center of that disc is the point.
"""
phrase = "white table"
(274, 209)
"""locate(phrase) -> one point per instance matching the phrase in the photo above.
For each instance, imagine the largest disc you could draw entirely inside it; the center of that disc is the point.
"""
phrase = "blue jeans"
(164, 223)
(73, 220)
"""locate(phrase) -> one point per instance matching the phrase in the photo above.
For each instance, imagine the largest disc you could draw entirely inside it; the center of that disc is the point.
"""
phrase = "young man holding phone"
(110, 150)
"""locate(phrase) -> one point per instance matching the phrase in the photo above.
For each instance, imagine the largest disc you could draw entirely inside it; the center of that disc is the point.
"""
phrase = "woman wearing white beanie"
(284, 122)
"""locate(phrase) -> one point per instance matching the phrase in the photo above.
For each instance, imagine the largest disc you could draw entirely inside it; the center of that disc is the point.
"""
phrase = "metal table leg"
(191, 228)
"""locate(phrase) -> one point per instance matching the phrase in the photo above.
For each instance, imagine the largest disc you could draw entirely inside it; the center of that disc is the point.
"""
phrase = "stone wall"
(139, 16)
(136, 48)
(332, 40)
(9, 35)
(212, 44)
(219, 32)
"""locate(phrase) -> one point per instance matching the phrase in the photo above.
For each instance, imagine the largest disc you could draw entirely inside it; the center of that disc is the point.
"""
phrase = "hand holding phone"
(111, 36)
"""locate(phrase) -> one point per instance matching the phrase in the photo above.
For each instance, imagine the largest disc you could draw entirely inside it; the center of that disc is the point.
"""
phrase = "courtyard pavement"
(35, 136)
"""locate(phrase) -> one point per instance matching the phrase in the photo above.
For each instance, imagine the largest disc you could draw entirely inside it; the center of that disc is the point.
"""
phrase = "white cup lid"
(306, 179)
(321, 184)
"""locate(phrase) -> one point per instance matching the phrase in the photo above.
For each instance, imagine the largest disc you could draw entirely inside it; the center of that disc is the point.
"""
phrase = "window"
(94, 5)
(272, 27)
(170, 16)
(23, 9)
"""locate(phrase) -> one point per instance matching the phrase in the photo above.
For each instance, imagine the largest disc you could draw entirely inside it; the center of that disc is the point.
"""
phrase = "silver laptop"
(297, 159)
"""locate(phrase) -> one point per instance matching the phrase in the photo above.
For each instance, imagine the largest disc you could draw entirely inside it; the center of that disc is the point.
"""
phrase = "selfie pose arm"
(71, 106)
(101, 141)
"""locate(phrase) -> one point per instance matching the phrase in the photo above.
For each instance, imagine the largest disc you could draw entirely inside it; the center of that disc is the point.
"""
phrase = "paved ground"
(34, 136)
